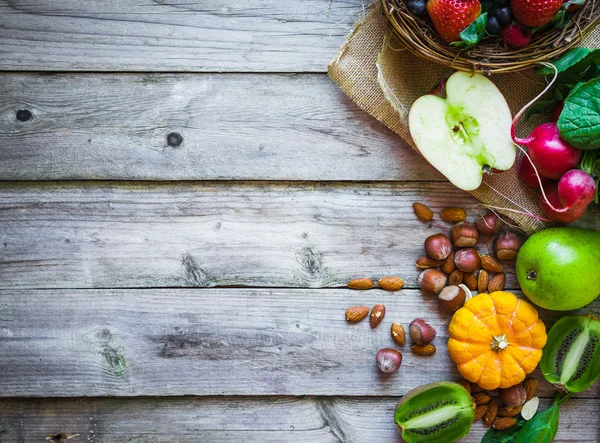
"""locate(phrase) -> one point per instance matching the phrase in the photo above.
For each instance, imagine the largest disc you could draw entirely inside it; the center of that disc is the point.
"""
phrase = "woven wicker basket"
(490, 56)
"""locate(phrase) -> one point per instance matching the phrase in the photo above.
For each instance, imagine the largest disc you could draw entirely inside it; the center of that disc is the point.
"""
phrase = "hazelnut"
(438, 246)
(421, 332)
(388, 360)
(489, 224)
(514, 396)
(507, 244)
(467, 260)
(452, 298)
(464, 234)
(432, 281)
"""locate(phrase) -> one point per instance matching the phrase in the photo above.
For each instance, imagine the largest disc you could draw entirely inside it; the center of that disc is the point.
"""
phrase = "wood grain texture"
(248, 420)
(64, 343)
(168, 35)
(128, 234)
(242, 127)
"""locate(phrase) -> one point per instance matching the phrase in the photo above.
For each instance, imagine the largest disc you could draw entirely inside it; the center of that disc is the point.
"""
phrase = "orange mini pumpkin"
(496, 339)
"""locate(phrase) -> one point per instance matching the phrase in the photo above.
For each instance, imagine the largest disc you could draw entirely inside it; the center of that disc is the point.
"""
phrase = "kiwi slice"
(571, 358)
(435, 413)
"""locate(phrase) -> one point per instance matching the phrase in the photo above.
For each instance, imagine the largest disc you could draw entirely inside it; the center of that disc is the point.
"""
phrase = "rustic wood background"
(183, 195)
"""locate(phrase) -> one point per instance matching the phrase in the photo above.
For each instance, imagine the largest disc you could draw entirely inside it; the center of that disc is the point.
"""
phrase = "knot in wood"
(24, 115)
(174, 139)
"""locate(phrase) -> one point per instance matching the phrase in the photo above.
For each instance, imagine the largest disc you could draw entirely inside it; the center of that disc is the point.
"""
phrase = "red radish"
(550, 154)
(527, 173)
(557, 110)
(555, 211)
(576, 189)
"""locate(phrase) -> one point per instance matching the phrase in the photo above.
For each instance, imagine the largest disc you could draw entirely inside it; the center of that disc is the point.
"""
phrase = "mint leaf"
(542, 427)
(579, 123)
(473, 33)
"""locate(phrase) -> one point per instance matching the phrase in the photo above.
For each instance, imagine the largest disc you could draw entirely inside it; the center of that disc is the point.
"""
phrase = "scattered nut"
(513, 396)
(490, 264)
(422, 212)
(480, 411)
(465, 384)
(421, 332)
(531, 386)
(530, 408)
(361, 283)
(456, 277)
(470, 280)
(491, 413)
(468, 293)
(489, 224)
(453, 215)
(509, 411)
(356, 313)
(438, 246)
(448, 264)
(377, 314)
(483, 280)
(467, 260)
(464, 234)
(432, 281)
(452, 298)
(476, 388)
(425, 350)
(497, 282)
(391, 283)
(502, 423)
(507, 244)
(398, 334)
(426, 262)
(481, 398)
(388, 360)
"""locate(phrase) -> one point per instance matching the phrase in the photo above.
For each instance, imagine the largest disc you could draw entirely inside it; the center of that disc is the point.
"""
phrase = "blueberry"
(504, 15)
(493, 26)
(417, 7)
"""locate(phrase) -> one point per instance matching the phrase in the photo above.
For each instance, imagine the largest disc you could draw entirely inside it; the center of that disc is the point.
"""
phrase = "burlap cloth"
(384, 80)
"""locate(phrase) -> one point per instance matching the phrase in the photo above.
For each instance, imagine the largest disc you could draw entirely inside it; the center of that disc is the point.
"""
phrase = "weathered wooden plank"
(254, 127)
(251, 420)
(131, 234)
(64, 343)
(167, 35)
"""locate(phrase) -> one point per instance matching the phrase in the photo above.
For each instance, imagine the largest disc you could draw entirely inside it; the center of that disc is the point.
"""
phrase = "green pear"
(559, 268)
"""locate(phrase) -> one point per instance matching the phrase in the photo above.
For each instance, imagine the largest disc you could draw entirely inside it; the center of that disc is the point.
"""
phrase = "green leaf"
(506, 436)
(473, 33)
(568, 60)
(579, 123)
(542, 427)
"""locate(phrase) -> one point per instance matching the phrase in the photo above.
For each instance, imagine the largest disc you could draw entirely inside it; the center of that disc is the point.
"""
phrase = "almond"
(422, 212)
(455, 278)
(453, 215)
(470, 280)
(510, 411)
(356, 313)
(426, 262)
(476, 388)
(490, 264)
(480, 411)
(377, 314)
(448, 264)
(531, 387)
(428, 349)
(502, 423)
(465, 384)
(491, 413)
(361, 283)
(481, 398)
(391, 283)
(497, 282)
(398, 334)
(482, 281)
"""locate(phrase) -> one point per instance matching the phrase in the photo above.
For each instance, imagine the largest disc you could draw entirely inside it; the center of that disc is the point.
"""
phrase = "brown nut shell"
(507, 245)
(482, 281)
(448, 264)
(465, 384)
(421, 332)
(489, 224)
(425, 350)
(531, 386)
(480, 411)
(377, 314)
(438, 246)
(467, 259)
(510, 411)
(514, 396)
(451, 299)
(432, 281)
(456, 277)
(361, 283)
(391, 283)
(426, 262)
(453, 215)
(502, 423)
(398, 334)
(497, 282)
(470, 280)
(422, 212)
(491, 413)
(490, 264)
(464, 234)
(356, 313)
(481, 398)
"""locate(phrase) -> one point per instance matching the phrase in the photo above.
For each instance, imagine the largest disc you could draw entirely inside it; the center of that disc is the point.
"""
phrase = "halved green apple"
(466, 133)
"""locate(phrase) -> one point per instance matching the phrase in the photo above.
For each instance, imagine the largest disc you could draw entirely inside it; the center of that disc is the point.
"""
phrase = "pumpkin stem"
(499, 343)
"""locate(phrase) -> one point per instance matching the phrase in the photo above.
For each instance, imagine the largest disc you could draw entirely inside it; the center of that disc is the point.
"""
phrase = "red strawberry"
(451, 17)
(515, 35)
(535, 13)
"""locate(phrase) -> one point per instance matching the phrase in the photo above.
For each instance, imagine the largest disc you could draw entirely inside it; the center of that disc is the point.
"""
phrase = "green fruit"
(435, 413)
(571, 358)
(558, 268)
